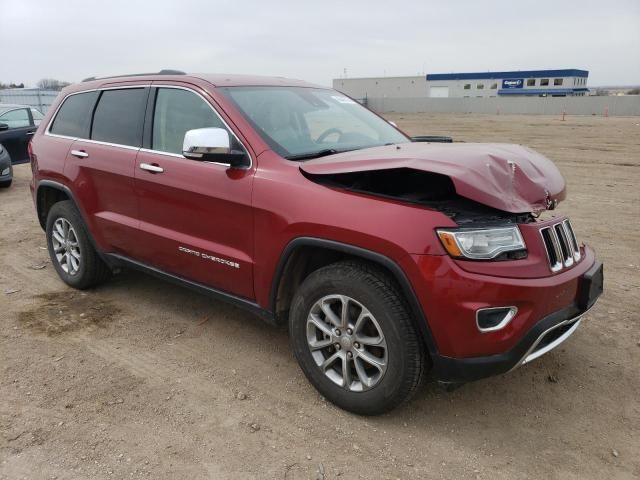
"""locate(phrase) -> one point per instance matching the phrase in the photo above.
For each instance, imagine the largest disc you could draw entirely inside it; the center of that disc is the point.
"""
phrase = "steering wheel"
(326, 133)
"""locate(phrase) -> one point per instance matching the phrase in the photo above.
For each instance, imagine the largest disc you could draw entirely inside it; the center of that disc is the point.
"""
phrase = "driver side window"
(16, 118)
(177, 111)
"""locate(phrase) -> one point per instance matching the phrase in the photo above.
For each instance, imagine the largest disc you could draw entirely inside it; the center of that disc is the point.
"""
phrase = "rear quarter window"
(119, 115)
(74, 117)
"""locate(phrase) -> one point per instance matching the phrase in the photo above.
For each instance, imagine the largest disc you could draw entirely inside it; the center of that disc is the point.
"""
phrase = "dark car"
(18, 123)
(6, 170)
(390, 258)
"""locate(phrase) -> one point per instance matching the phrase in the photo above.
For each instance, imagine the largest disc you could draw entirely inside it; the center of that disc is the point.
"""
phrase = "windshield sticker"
(342, 99)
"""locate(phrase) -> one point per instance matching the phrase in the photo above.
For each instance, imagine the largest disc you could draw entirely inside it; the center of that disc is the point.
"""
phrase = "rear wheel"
(71, 252)
(353, 337)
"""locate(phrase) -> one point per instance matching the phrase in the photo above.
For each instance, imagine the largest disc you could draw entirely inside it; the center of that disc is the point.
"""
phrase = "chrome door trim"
(108, 144)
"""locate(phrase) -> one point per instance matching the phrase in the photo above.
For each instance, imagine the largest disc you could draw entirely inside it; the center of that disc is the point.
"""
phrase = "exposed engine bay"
(432, 190)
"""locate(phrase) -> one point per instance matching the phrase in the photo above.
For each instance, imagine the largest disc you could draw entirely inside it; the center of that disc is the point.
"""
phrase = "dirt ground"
(139, 378)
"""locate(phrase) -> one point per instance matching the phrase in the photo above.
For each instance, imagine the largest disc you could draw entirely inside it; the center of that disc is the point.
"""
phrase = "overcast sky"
(317, 41)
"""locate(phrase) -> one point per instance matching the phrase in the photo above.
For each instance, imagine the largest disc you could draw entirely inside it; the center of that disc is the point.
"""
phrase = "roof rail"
(161, 72)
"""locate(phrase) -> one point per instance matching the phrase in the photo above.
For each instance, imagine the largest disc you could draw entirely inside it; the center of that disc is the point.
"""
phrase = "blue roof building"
(540, 83)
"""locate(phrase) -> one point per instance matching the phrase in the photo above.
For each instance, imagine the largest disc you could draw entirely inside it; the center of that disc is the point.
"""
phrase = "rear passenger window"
(37, 116)
(177, 111)
(118, 117)
(74, 116)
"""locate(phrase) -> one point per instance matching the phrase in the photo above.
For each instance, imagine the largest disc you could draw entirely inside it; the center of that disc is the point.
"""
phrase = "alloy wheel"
(66, 246)
(346, 342)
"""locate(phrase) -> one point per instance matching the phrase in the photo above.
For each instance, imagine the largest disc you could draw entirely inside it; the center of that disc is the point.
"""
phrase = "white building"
(557, 83)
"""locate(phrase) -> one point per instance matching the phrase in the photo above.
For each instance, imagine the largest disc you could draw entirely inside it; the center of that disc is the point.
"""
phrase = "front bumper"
(546, 335)
(549, 311)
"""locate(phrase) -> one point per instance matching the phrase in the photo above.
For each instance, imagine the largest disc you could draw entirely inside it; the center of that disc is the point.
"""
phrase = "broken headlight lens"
(481, 244)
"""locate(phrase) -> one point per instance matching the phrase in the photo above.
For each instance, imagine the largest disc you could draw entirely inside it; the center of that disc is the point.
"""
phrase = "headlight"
(1, 149)
(481, 244)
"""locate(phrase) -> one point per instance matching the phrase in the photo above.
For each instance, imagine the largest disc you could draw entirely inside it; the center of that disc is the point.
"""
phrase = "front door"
(16, 129)
(195, 217)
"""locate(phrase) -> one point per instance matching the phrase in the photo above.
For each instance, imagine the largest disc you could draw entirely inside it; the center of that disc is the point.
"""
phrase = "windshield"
(301, 123)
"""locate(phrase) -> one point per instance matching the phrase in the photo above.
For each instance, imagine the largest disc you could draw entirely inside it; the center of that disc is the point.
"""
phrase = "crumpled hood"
(507, 177)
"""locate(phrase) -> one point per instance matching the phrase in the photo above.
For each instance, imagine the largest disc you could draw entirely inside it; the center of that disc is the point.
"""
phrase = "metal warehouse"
(540, 83)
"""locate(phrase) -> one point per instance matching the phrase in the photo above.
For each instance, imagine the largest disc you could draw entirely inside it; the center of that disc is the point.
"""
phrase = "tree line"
(44, 84)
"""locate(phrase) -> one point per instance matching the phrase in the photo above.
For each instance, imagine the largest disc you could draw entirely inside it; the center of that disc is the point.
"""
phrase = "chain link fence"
(33, 97)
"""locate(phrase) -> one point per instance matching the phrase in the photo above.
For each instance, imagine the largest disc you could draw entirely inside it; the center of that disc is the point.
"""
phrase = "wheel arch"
(48, 194)
(304, 255)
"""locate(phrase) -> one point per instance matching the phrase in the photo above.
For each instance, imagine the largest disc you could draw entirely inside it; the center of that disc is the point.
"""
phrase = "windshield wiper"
(310, 155)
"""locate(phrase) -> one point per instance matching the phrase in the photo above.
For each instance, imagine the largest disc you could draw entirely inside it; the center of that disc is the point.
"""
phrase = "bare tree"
(11, 85)
(51, 84)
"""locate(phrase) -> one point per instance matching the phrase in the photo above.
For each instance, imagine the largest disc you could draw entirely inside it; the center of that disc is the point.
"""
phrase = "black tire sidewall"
(67, 210)
(390, 389)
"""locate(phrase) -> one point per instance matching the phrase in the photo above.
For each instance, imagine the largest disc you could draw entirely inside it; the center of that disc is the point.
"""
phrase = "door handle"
(30, 133)
(151, 168)
(79, 153)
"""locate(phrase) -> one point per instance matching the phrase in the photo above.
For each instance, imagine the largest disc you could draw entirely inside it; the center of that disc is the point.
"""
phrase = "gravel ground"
(139, 378)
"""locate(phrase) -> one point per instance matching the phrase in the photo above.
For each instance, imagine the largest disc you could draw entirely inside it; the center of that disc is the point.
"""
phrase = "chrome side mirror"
(212, 145)
(205, 141)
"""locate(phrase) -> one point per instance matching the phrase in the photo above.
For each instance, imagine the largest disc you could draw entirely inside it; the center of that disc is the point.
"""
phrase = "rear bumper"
(545, 335)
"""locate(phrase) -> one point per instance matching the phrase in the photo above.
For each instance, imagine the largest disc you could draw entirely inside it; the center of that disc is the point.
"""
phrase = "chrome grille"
(561, 245)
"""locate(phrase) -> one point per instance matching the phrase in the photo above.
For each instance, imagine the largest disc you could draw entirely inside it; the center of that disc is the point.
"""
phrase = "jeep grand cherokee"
(392, 259)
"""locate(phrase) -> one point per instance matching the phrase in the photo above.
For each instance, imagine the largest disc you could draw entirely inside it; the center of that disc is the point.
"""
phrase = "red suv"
(391, 258)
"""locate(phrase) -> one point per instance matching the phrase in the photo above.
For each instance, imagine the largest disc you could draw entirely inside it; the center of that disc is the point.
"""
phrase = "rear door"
(196, 217)
(101, 166)
(16, 137)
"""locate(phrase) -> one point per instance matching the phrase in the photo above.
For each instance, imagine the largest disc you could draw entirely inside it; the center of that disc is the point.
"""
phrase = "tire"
(82, 267)
(371, 295)
(5, 184)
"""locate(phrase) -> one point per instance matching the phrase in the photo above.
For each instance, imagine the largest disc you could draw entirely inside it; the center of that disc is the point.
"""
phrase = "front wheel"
(354, 339)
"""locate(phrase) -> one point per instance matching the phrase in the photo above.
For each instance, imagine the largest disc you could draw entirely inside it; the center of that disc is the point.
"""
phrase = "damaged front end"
(432, 190)
(473, 184)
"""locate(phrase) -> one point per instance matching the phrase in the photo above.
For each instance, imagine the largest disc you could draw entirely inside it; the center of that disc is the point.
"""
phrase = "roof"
(571, 72)
(217, 80)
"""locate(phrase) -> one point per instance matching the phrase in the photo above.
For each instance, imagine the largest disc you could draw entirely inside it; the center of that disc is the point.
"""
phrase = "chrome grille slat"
(561, 245)
(567, 250)
(574, 242)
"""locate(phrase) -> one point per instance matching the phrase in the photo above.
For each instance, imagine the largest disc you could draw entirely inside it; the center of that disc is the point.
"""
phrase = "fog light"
(5, 171)
(492, 319)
